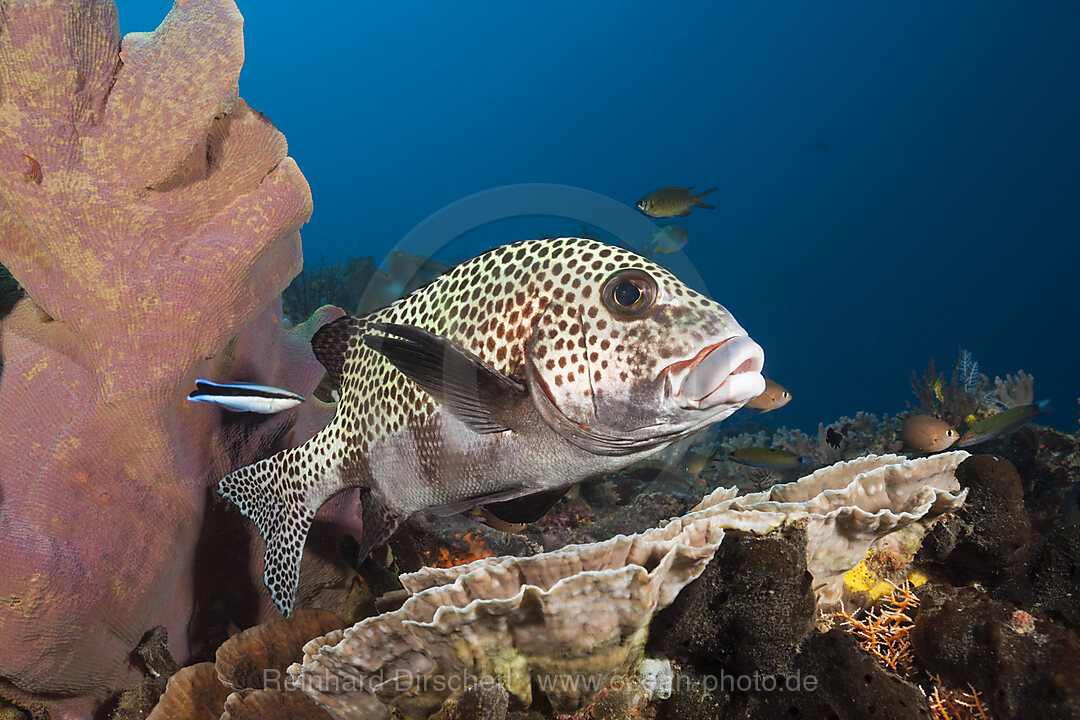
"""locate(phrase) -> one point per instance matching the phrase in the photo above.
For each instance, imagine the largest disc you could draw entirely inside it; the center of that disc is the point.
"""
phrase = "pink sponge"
(153, 240)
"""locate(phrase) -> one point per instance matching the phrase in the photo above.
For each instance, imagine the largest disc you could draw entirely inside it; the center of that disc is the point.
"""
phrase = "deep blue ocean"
(896, 180)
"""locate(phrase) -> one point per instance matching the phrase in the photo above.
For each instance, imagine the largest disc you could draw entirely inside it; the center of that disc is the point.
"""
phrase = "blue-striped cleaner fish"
(517, 373)
(245, 397)
(1002, 423)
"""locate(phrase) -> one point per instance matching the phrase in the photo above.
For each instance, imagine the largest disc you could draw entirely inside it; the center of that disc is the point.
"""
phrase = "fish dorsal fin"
(462, 383)
(331, 343)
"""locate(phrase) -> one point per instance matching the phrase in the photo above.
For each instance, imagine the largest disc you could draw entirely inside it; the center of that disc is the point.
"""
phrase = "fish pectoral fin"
(527, 508)
(463, 384)
(478, 500)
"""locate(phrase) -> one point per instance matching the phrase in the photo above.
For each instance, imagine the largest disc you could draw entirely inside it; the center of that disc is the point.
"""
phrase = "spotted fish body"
(521, 371)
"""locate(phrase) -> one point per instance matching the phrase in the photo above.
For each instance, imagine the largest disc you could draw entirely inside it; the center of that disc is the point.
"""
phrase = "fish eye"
(950, 433)
(785, 394)
(629, 293)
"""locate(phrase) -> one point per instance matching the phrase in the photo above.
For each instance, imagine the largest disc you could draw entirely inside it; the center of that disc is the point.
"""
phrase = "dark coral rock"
(624, 700)
(644, 511)
(485, 701)
(749, 610)
(1019, 448)
(1055, 577)
(854, 685)
(156, 656)
(696, 697)
(1023, 666)
(137, 702)
(990, 538)
(745, 633)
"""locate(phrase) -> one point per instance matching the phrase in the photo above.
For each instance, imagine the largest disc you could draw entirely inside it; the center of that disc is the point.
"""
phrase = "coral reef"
(969, 395)
(152, 250)
(246, 678)
(554, 620)
(1015, 391)
(194, 693)
(1022, 665)
(882, 502)
(570, 622)
(243, 660)
(991, 536)
(747, 643)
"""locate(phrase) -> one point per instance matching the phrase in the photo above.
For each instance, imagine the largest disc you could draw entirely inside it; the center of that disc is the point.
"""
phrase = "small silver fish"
(245, 397)
(669, 239)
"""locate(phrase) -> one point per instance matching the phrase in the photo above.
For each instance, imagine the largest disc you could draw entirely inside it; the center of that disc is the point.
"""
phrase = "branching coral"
(1015, 391)
(955, 401)
(885, 633)
(969, 395)
(152, 250)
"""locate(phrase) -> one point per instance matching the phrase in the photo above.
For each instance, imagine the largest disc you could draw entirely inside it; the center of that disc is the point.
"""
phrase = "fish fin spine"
(331, 344)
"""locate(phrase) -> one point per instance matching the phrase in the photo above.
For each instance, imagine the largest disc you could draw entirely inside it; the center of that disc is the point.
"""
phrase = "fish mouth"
(727, 373)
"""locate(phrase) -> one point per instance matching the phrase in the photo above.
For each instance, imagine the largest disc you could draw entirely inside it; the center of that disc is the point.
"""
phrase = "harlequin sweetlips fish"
(515, 374)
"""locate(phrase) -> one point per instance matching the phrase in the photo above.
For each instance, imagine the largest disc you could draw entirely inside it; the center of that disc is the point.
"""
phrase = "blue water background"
(945, 210)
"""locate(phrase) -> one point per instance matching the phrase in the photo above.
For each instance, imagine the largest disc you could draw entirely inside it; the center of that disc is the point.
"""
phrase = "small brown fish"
(775, 396)
(672, 201)
(33, 173)
(922, 432)
(696, 463)
(495, 522)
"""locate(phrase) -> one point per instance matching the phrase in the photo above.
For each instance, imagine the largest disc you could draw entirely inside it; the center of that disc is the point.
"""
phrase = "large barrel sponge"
(151, 217)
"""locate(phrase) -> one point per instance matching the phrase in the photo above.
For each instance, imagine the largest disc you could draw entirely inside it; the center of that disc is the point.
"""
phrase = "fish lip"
(725, 373)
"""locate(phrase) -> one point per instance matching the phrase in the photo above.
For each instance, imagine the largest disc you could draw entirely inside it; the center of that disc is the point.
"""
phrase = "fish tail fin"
(697, 199)
(280, 495)
(1044, 406)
